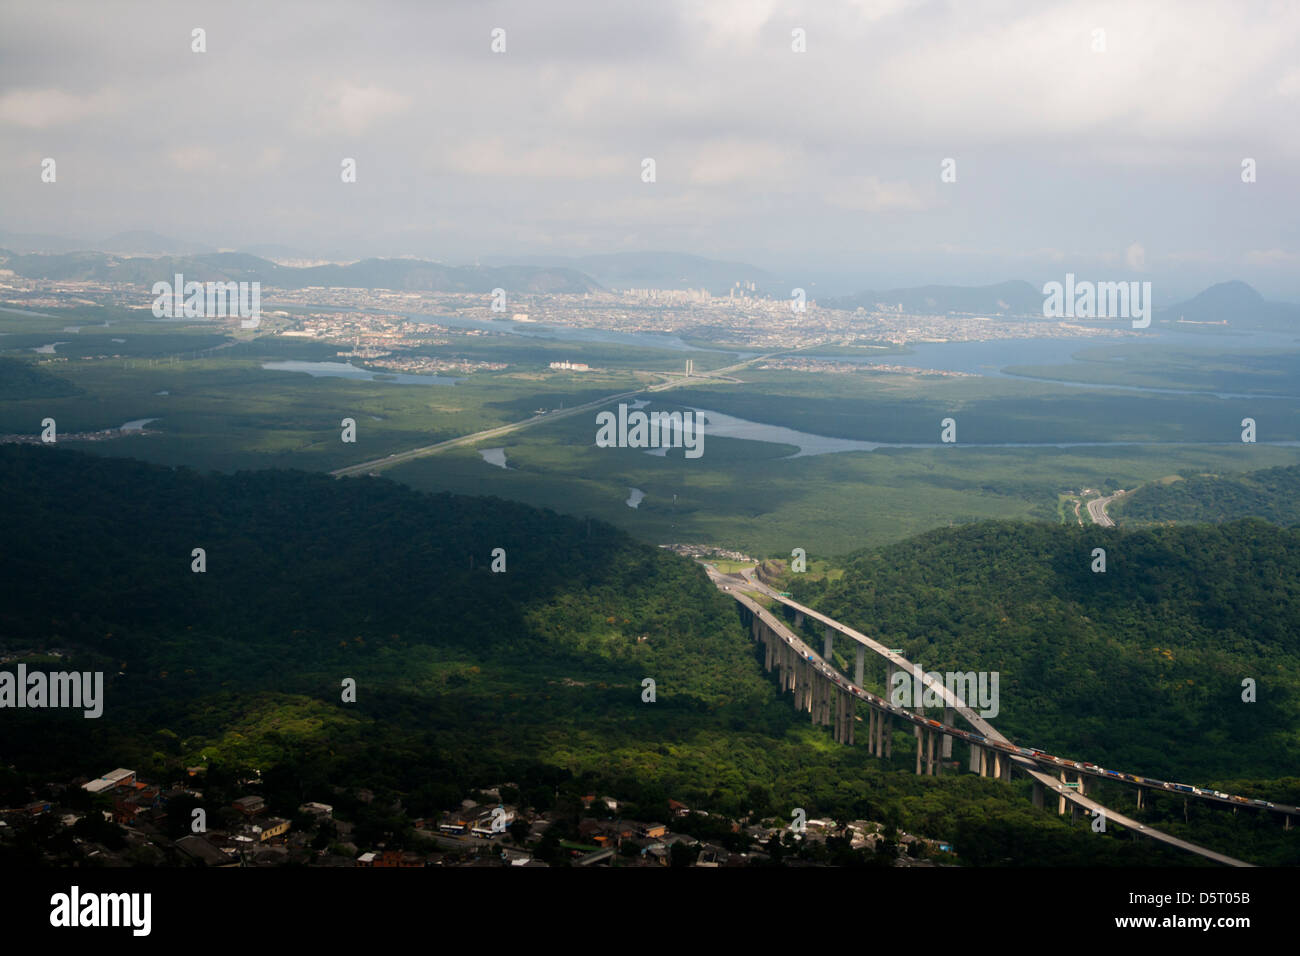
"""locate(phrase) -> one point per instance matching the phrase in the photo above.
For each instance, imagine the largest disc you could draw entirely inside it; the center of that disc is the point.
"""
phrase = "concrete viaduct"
(831, 700)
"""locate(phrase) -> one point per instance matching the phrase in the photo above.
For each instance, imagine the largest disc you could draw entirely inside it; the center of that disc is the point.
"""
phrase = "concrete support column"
(997, 763)
(1139, 789)
(888, 733)
(1006, 769)
(947, 741)
(828, 648)
(916, 730)
(975, 763)
(1038, 795)
(1060, 803)
(929, 753)
(860, 665)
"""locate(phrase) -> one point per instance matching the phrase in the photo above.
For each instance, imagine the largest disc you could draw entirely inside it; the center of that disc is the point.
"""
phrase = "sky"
(1103, 139)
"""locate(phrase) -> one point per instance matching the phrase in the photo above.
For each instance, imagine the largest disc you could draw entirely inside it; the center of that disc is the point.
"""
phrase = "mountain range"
(135, 257)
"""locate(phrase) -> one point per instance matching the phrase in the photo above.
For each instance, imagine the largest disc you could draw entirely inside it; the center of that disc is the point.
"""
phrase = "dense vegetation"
(19, 379)
(1138, 668)
(465, 678)
(1272, 494)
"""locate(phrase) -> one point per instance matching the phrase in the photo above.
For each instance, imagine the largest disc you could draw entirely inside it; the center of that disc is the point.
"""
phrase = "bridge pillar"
(828, 648)
(975, 760)
(888, 734)
(997, 764)
(1139, 789)
(1038, 795)
(931, 768)
(1006, 769)
(947, 741)
(1060, 803)
(860, 665)
(1083, 784)
(920, 745)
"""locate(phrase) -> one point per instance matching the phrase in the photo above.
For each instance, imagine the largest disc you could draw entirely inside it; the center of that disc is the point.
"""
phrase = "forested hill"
(1138, 668)
(318, 576)
(1272, 494)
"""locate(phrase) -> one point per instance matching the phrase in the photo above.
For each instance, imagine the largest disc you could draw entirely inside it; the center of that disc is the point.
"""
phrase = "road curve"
(1028, 765)
(1097, 510)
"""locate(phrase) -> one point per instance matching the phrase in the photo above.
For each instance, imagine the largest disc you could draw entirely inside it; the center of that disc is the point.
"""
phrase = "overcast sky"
(1117, 164)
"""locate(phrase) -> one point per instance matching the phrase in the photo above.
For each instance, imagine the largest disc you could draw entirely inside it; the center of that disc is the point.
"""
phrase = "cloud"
(729, 162)
(1135, 257)
(1272, 257)
(351, 109)
(872, 194)
(192, 159)
(42, 109)
(497, 157)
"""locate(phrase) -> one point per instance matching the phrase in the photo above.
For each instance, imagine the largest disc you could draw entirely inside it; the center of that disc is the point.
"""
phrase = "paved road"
(1097, 510)
(1029, 765)
(405, 456)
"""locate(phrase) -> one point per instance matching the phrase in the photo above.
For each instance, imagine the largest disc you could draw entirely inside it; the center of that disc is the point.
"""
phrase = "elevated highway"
(820, 689)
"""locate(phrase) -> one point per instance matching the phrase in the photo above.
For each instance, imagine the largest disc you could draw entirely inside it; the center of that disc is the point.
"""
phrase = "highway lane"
(496, 432)
(1097, 510)
(1029, 765)
(973, 718)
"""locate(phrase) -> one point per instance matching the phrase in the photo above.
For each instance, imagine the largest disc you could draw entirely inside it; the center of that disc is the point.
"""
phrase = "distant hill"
(1122, 668)
(1272, 494)
(655, 270)
(399, 274)
(1237, 304)
(1006, 298)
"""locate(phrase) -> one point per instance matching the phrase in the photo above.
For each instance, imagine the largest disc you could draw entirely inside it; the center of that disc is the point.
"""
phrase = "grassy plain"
(218, 409)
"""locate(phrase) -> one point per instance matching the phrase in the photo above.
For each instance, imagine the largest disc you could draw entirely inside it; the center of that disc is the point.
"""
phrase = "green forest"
(465, 677)
(1138, 668)
(1272, 494)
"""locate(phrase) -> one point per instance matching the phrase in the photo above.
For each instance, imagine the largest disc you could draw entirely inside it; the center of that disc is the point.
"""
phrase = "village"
(119, 819)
